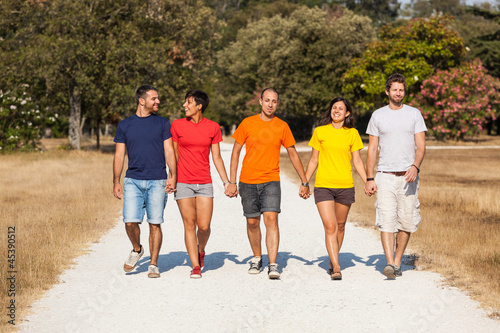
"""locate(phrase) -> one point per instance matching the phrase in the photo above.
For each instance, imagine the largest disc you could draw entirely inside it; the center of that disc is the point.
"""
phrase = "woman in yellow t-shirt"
(333, 144)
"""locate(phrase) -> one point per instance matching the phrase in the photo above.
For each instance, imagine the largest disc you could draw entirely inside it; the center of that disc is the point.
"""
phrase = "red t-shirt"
(194, 145)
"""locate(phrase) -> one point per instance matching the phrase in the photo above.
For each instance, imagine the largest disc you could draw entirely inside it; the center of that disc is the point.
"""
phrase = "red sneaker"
(201, 259)
(196, 273)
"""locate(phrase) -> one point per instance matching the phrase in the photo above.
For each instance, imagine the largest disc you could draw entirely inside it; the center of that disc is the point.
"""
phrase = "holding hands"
(230, 189)
(304, 191)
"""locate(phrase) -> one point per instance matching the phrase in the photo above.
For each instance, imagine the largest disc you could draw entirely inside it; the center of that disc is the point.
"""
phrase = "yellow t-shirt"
(263, 141)
(335, 147)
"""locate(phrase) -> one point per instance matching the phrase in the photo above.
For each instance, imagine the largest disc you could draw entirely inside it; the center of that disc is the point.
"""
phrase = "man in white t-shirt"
(396, 129)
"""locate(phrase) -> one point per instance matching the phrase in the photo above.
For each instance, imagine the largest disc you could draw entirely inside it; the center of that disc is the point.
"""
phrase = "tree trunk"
(98, 134)
(75, 112)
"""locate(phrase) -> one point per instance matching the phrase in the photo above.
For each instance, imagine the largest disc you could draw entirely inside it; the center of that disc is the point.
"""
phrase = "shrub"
(455, 103)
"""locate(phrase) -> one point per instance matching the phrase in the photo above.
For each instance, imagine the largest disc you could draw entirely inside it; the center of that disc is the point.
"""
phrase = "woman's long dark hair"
(326, 117)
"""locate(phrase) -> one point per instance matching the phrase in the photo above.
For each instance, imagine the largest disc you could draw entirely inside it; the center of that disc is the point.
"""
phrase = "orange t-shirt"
(263, 141)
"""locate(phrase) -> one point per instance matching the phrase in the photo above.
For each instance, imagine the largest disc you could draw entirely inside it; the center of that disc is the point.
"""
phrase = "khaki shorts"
(397, 203)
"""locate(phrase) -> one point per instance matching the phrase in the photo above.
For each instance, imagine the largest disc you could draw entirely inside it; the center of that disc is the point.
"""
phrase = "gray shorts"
(193, 190)
(259, 198)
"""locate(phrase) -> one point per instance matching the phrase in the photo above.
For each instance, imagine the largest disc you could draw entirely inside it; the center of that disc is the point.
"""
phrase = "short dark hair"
(141, 92)
(270, 89)
(200, 97)
(396, 77)
(326, 117)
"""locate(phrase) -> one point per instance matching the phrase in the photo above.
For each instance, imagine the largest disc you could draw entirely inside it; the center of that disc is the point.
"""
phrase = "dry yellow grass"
(459, 236)
(59, 202)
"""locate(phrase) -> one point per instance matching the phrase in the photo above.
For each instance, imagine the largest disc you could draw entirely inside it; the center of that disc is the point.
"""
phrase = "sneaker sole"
(195, 276)
(153, 275)
(128, 268)
(254, 271)
(274, 276)
(389, 272)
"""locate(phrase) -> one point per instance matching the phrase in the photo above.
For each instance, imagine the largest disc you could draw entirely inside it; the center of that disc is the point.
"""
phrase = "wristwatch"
(305, 184)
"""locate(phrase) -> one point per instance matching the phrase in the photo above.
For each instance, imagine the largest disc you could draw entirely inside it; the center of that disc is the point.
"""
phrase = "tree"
(302, 56)
(415, 50)
(89, 56)
(380, 11)
(456, 103)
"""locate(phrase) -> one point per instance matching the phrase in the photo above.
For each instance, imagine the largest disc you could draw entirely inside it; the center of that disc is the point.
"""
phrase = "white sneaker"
(273, 272)
(132, 260)
(153, 271)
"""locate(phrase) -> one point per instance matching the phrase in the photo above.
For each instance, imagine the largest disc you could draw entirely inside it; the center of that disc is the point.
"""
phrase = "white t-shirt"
(396, 131)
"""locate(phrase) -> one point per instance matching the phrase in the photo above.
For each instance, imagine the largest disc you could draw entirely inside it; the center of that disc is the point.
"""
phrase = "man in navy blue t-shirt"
(146, 138)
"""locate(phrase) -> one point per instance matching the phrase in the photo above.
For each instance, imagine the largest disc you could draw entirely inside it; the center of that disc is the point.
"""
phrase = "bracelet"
(230, 182)
(416, 167)
(114, 183)
(368, 179)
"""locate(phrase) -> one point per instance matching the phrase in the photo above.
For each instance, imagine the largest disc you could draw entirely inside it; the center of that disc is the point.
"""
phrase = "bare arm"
(297, 165)
(219, 164)
(313, 164)
(176, 150)
(232, 189)
(370, 186)
(358, 165)
(311, 168)
(118, 168)
(170, 158)
(412, 172)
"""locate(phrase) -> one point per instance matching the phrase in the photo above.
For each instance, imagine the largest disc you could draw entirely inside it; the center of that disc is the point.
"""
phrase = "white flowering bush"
(21, 121)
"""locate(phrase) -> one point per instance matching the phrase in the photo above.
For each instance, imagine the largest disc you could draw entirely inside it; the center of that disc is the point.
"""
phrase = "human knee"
(341, 227)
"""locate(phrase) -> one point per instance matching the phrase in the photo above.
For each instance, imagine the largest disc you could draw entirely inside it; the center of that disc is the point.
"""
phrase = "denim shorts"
(193, 190)
(344, 196)
(259, 198)
(144, 196)
(397, 203)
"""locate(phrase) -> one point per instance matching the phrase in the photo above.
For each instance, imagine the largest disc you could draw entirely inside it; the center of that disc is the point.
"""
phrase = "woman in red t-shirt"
(194, 138)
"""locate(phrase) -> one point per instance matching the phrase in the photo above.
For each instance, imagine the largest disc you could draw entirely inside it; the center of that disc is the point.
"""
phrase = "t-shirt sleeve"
(372, 126)
(357, 143)
(240, 135)
(314, 142)
(120, 135)
(287, 140)
(166, 130)
(173, 131)
(217, 134)
(419, 122)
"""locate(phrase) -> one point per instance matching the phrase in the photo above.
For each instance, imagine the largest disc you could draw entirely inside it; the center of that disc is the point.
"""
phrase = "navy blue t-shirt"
(143, 137)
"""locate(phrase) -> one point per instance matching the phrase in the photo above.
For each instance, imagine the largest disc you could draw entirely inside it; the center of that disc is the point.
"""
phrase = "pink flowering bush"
(455, 103)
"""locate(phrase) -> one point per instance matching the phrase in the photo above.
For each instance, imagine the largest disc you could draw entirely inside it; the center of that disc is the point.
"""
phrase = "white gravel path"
(97, 296)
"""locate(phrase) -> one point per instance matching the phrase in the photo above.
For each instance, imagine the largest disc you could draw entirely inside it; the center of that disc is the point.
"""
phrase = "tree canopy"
(416, 50)
(302, 56)
(89, 56)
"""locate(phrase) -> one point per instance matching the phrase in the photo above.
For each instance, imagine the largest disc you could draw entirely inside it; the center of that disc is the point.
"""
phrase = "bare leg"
(134, 234)
(272, 235)
(254, 235)
(388, 245)
(187, 207)
(155, 240)
(341, 212)
(402, 239)
(204, 209)
(327, 212)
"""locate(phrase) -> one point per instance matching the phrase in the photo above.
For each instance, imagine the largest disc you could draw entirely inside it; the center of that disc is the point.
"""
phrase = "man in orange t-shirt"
(259, 185)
